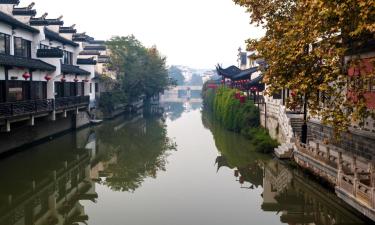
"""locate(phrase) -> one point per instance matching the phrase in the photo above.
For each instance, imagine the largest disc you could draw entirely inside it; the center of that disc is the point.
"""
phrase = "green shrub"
(243, 118)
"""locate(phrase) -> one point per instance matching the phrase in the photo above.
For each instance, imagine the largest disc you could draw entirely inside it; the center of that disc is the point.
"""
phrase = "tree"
(196, 80)
(141, 70)
(305, 45)
(176, 75)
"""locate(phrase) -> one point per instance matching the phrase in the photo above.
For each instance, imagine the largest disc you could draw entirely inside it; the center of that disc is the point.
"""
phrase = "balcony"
(24, 108)
(33, 107)
(71, 102)
(49, 53)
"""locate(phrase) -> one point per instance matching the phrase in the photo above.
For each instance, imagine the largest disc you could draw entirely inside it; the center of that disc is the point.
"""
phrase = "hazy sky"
(196, 33)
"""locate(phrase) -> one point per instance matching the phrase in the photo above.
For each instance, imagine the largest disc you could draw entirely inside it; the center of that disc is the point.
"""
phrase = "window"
(22, 47)
(80, 89)
(68, 58)
(39, 90)
(4, 44)
(59, 89)
(42, 46)
(2, 91)
(18, 91)
(96, 87)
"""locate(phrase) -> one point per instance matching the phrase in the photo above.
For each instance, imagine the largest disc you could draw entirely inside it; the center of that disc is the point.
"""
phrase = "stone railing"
(277, 109)
(355, 188)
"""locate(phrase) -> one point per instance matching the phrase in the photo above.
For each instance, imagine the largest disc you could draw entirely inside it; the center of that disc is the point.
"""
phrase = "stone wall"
(270, 121)
(22, 134)
(357, 142)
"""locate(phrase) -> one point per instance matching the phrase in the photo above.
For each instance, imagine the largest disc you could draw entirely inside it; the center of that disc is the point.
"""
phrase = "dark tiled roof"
(89, 61)
(67, 30)
(97, 42)
(245, 74)
(82, 37)
(24, 12)
(53, 36)
(91, 52)
(45, 22)
(10, 60)
(103, 59)
(14, 2)
(257, 82)
(228, 72)
(49, 53)
(95, 47)
(71, 69)
(5, 18)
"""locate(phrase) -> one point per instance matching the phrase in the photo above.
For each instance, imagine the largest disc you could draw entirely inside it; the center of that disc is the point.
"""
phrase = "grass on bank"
(243, 118)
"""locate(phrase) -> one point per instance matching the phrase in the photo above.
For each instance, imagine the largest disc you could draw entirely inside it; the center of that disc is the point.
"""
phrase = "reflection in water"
(132, 153)
(285, 191)
(174, 110)
(52, 183)
(44, 186)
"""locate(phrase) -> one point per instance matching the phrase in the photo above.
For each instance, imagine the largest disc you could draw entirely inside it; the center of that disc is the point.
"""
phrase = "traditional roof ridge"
(95, 47)
(68, 30)
(10, 2)
(90, 52)
(228, 72)
(43, 21)
(88, 61)
(245, 74)
(57, 37)
(82, 37)
(24, 12)
(97, 42)
(16, 23)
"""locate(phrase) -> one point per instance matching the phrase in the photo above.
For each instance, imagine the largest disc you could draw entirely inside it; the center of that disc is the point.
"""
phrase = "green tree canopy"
(305, 45)
(141, 70)
(176, 75)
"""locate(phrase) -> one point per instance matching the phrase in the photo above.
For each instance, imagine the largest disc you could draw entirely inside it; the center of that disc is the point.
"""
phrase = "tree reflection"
(137, 151)
(286, 191)
(174, 110)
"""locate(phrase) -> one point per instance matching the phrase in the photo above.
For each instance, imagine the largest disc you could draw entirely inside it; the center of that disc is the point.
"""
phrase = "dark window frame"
(6, 39)
(22, 47)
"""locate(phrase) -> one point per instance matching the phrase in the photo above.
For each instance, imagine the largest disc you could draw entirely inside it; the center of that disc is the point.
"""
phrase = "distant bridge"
(182, 94)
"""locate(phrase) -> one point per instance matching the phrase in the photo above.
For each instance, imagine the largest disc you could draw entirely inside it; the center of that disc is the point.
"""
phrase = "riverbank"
(238, 114)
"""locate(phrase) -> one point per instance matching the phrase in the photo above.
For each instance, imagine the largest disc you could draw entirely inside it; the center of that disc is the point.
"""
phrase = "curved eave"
(7, 19)
(53, 36)
(15, 61)
(71, 69)
(245, 74)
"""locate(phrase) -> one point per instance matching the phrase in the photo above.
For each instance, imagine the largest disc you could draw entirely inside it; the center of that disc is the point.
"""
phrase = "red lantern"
(48, 77)
(86, 80)
(26, 75)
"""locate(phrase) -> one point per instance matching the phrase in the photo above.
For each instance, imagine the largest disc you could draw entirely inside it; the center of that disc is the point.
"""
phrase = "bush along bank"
(235, 113)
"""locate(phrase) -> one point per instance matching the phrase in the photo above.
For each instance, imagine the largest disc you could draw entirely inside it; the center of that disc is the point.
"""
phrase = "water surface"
(178, 169)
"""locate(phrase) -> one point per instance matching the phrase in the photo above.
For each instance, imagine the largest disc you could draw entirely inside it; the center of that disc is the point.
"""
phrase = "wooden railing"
(71, 102)
(12, 109)
(24, 108)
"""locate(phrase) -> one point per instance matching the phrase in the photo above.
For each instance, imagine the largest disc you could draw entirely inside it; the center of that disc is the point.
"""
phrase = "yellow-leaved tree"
(309, 46)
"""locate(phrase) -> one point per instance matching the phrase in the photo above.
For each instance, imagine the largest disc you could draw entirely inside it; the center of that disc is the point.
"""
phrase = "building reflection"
(286, 191)
(44, 186)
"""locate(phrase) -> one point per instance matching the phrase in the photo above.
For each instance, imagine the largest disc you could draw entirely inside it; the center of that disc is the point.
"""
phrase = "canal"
(180, 168)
